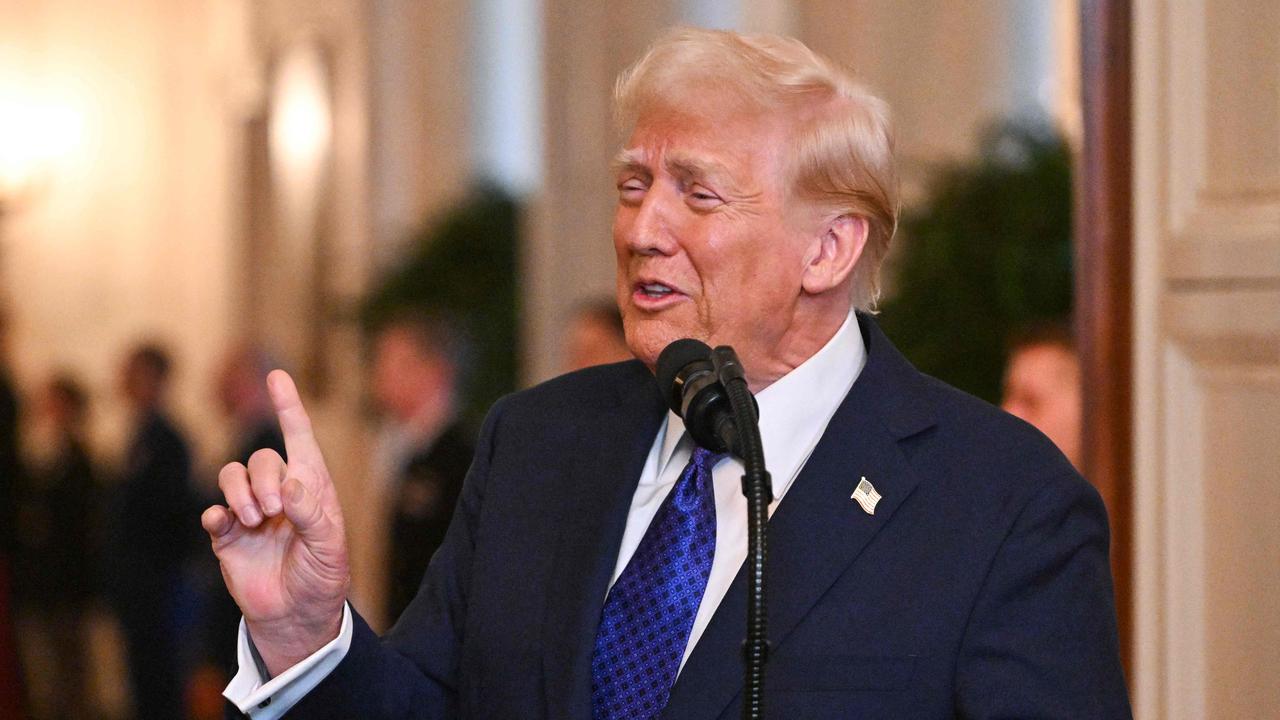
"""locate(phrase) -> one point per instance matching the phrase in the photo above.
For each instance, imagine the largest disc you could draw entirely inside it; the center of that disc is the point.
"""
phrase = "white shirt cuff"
(267, 699)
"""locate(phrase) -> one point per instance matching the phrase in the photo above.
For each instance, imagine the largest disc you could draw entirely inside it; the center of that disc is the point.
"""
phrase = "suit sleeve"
(1042, 641)
(412, 673)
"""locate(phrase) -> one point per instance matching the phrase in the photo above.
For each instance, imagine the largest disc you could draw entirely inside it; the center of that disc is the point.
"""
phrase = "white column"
(507, 103)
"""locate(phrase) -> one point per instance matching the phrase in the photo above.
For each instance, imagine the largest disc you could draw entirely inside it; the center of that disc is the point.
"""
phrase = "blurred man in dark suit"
(415, 376)
(150, 536)
(11, 692)
(10, 458)
(58, 526)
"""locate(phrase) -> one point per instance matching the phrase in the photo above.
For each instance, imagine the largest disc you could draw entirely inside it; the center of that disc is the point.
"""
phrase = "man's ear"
(836, 253)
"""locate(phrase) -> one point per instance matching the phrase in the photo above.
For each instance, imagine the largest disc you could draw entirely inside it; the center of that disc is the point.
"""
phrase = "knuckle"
(319, 521)
(311, 513)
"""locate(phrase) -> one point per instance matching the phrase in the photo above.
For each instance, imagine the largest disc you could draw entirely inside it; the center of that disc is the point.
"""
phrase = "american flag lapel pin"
(866, 496)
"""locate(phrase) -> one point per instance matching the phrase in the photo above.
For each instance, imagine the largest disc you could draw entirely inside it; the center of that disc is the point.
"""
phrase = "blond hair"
(841, 151)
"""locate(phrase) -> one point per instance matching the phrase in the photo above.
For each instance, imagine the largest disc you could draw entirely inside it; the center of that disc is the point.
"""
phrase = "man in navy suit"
(930, 556)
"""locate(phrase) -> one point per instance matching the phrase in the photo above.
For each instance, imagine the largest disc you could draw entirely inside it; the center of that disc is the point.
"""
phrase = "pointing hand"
(280, 539)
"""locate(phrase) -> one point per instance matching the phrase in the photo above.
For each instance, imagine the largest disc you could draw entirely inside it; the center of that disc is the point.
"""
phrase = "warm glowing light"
(301, 122)
(35, 135)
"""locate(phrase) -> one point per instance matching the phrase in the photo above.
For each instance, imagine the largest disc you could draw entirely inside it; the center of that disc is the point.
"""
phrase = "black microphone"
(709, 390)
(693, 391)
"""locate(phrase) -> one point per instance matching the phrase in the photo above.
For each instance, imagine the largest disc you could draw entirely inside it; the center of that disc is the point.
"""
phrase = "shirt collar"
(795, 409)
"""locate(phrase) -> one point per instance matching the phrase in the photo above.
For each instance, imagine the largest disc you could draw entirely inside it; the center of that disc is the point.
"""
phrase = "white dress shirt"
(794, 412)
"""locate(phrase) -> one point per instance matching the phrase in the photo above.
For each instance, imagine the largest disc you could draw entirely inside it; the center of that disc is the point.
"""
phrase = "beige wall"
(1207, 390)
(100, 251)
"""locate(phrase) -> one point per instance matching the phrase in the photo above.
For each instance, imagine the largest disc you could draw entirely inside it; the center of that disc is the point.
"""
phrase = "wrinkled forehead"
(728, 142)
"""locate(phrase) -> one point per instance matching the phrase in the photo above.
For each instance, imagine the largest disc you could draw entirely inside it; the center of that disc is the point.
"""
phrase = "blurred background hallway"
(408, 205)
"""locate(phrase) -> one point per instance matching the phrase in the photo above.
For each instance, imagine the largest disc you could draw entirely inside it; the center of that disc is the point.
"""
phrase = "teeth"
(655, 288)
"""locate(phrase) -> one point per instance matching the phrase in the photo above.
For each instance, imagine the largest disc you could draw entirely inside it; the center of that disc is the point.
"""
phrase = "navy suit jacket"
(980, 588)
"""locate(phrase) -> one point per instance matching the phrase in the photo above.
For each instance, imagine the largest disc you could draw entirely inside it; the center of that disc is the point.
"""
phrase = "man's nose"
(650, 231)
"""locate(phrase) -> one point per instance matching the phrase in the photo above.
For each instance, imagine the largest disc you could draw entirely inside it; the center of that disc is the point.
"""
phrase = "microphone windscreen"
(674, 358)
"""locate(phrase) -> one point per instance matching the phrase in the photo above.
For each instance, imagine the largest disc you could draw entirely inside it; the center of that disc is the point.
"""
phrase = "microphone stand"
(744, 440)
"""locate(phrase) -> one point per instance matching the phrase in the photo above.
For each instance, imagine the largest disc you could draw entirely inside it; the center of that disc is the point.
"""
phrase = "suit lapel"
(817, 531)
(611, 453)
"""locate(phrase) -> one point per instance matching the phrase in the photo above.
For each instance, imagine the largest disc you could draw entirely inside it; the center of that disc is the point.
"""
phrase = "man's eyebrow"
(679, 164)
(698, 168)
(629, 159)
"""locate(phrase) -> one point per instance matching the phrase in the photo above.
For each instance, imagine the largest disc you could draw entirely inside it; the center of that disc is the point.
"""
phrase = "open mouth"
(654, 295)
(654, 290)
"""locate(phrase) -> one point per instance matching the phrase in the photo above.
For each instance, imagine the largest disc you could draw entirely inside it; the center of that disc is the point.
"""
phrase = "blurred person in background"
(1042, 384)
(10, 460)
(151, 536)
(57, 528)
(240, 392)
(417, 362)
(10, 472)
(594, 335)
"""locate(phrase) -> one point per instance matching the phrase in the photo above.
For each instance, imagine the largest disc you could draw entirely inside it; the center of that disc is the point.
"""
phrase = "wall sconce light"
(300, 128)
(300, 156)
(35, 135)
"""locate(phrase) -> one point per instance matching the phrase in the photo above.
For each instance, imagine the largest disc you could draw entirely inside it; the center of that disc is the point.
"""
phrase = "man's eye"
(703, 198)
(631, 189)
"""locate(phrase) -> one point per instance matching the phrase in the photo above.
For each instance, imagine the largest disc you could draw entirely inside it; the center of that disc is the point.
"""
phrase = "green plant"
(464, 265)
(988, 252)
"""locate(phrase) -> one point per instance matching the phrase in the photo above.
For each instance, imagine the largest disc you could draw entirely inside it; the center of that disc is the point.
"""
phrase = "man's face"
(1042, 386)
(229, 387)
(592, 341)
(139, 384)
(709, 245)
(403, 376)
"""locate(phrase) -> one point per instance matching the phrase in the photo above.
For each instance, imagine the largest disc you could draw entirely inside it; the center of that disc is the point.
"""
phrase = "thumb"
(303, 509)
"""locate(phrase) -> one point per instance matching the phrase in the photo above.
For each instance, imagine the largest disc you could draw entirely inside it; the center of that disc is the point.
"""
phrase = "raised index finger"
(299, 442)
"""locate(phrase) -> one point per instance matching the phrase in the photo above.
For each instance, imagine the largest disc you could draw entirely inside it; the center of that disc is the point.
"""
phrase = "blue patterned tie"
(650, 609)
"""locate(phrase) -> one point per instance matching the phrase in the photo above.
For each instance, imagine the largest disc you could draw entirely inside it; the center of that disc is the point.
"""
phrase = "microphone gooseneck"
(708, 389)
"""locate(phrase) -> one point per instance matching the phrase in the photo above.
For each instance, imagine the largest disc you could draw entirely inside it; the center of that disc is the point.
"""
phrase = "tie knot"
(705, 459)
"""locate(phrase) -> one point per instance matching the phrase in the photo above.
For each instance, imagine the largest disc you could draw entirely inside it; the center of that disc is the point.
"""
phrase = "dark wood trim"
(1104, 281)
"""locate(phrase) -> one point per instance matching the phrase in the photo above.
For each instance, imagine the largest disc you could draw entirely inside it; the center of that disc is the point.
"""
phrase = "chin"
(649, 333)
(647, 340)
(646, 350)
